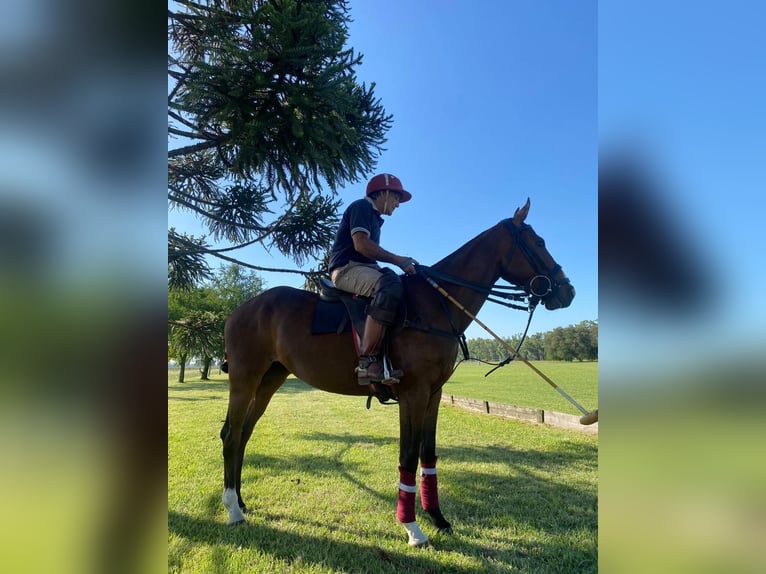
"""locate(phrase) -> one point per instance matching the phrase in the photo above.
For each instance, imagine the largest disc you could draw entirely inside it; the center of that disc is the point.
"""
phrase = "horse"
(269, 337)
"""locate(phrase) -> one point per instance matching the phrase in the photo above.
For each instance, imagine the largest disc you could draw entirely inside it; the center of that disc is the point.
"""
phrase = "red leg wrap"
(405, 506)
(429, 491)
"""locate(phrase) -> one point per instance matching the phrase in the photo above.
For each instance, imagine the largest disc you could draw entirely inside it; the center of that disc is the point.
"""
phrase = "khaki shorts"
(355, 277)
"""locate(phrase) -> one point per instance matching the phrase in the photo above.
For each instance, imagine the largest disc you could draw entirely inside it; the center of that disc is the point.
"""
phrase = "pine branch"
(190, 149)
(257, 268)
(190, 135)
(268, 90)
(173, 197)
(182, 120)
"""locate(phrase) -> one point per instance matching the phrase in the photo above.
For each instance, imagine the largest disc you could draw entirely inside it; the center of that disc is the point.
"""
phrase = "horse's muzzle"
(559, 298)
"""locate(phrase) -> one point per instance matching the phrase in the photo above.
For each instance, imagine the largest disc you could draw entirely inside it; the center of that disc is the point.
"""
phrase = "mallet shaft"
(561, 391)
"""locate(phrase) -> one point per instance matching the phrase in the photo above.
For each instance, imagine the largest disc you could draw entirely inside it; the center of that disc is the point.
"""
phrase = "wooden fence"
(526, 414)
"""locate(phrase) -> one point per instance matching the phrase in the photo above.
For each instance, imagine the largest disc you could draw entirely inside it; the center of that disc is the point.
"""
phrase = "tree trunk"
(182, 370)
(206, 368)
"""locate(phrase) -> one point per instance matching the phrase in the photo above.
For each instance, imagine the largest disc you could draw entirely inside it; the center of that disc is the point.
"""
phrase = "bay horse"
(269, 337)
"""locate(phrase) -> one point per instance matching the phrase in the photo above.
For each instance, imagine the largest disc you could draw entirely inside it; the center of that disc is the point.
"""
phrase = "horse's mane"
(464, 249)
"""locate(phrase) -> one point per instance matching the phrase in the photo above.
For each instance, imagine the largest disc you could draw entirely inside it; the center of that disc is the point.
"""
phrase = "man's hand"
(407, 264)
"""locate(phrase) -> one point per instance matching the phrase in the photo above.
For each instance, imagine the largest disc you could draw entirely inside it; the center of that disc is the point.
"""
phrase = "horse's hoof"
(438, 520)
(415, 536)
(231, 502)
(238, 522)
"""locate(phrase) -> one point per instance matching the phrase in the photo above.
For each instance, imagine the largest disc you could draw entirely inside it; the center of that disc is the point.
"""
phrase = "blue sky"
(493, 102)
(682, 87)
(685, 93)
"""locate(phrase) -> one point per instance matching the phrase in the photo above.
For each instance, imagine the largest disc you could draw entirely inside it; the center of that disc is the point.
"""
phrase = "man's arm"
(367, 247)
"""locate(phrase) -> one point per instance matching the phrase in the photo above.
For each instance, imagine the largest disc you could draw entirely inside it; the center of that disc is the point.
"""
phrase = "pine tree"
(270, 121)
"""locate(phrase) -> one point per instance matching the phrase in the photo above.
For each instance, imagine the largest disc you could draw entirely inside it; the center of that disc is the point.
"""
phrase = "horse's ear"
(521, 213)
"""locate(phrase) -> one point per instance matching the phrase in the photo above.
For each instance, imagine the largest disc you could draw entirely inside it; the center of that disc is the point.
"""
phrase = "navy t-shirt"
(360, 216)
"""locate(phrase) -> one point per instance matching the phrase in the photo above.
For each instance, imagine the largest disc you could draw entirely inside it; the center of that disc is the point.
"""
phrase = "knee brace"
(387, 297)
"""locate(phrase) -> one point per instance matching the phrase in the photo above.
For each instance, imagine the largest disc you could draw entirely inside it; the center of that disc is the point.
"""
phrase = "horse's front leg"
(411, 411)
(429, 490)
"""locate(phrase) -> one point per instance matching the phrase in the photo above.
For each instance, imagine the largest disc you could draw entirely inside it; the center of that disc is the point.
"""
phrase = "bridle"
(530, 293)
(544, 274)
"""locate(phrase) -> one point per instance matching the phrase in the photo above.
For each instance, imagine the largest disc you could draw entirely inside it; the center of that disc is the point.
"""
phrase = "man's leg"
(370, 369)
(357, 278)
(385, 288)
(381, 314)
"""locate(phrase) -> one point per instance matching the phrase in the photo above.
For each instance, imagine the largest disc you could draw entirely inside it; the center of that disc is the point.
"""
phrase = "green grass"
(320, 478)
(517, 384)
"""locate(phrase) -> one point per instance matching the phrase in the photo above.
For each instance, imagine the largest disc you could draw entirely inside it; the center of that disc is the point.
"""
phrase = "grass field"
(517, 384)
(320, 477)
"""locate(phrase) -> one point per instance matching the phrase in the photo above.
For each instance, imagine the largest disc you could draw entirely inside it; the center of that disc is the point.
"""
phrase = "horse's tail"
(225, 364)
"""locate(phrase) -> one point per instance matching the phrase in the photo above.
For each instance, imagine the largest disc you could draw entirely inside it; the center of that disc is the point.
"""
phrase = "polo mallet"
(588, 418)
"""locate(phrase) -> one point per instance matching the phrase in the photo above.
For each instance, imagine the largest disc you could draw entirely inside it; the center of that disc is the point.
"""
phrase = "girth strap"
(383, 393)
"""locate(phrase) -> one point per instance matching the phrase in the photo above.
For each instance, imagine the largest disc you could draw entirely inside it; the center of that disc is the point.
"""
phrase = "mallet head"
(590, 418)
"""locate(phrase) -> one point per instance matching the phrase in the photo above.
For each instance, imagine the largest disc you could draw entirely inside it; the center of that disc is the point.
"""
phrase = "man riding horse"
(354, 268)
(270, 337)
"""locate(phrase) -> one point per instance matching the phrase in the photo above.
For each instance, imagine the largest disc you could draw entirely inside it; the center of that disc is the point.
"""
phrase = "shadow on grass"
(534, 488)
(293, 385)
(543, 505)
(197, 385)
(530, 491)
(299, 550)
(334, 464)
(290, 386)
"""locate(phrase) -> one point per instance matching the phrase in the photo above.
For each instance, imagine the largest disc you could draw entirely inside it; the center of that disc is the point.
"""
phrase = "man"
(354, 268)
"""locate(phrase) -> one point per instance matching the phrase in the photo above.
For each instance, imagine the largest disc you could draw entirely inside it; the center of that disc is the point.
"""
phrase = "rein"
(473, 317)
(491, 291)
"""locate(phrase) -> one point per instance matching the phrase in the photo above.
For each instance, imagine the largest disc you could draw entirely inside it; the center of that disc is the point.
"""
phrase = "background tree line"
(573, 343)
(196, 316)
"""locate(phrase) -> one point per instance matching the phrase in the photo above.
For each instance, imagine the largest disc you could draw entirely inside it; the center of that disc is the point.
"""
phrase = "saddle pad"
(328, 318)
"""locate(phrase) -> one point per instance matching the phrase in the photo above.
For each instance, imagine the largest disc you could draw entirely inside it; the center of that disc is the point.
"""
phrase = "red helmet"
(386, 181)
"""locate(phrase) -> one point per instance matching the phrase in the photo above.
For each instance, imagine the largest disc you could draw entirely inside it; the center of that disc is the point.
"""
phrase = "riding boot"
(370, 369)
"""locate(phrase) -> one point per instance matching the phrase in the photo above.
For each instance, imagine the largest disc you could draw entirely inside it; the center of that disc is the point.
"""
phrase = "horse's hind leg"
(248, 398)
(240, 395)
(272, 380)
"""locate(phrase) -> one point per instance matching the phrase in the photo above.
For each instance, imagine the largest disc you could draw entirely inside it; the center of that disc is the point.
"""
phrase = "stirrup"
(362, 371)
(387, 375)
(383, 371)
(391, 376)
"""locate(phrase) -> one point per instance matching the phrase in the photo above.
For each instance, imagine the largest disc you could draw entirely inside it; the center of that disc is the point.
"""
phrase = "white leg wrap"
(415, 534)
(231, 502)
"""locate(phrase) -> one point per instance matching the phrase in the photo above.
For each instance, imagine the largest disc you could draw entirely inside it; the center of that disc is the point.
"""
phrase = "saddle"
(333, 317)
(339, 311)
